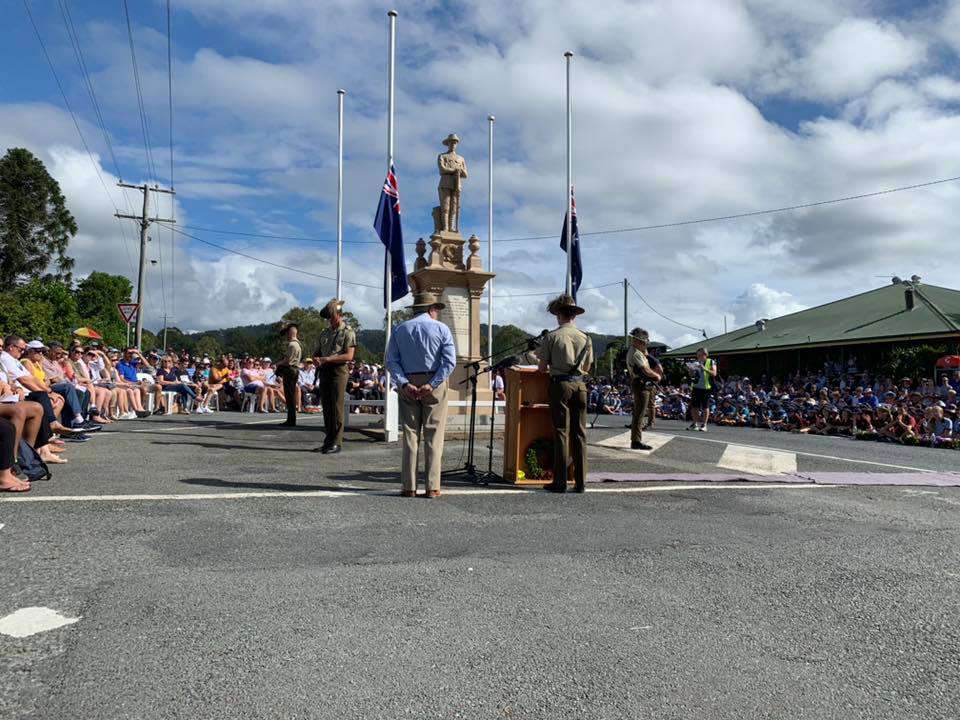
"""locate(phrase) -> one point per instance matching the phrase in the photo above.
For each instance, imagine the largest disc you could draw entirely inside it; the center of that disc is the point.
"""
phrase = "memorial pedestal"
(459, 285)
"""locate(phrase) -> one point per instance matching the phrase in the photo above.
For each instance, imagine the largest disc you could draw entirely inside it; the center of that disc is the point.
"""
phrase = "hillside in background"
(260, 339)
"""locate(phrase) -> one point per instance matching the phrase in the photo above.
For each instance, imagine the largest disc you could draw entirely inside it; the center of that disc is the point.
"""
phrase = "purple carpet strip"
(935, 479)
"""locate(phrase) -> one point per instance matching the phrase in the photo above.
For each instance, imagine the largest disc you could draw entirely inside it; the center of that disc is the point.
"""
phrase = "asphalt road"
(216, 569)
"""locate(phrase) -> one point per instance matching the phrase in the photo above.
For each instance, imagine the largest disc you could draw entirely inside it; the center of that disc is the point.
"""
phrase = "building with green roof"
(866, 326)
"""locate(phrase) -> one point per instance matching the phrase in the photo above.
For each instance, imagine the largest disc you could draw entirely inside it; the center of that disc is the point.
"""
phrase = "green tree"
(59, 295)
(209, 347)
(35, 225)
(148, 340)
(97, 297)
(913, 362)
(509, 337)
(31, 318)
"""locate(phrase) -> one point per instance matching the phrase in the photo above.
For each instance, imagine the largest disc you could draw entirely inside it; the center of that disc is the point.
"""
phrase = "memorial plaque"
(456, 316)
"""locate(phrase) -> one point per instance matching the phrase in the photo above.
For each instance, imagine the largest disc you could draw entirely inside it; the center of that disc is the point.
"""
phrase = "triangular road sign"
(128, 311)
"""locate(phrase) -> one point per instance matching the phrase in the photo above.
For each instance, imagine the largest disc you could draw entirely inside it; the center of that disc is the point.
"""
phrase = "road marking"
(758, 462)
(622, 442)
(390, 493)
(32, 620)
(700, 438)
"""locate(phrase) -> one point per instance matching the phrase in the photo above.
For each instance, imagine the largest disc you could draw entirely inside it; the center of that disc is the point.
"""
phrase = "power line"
(76, 124)
(614, 231)
(754, 213)
(173, 250)
(660, 314)
(88, 83)
(551, 292)
(279, 237)
(268, 262)
(144, 125)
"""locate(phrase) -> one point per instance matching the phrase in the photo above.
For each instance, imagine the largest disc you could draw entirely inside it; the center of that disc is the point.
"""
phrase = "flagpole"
(569, 55)
(389, 260)
(340, 94)
(490, 120)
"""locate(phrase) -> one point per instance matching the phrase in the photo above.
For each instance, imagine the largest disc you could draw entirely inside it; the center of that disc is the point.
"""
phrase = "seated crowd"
(849, 403)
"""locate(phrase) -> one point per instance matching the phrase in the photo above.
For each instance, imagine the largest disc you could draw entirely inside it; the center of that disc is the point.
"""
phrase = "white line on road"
(446, 493)
(622, 442)
(700, 438)
(32, 620)
(758, 462)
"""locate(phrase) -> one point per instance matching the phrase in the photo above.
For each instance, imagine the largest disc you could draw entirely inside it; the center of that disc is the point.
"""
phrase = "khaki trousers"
(641, 402)
(428, 416)
(568, 410)
(331, 386)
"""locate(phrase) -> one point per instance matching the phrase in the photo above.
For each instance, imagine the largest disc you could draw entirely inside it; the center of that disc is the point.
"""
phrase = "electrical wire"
(278, 237)
(754, 213)
(660, 314)
(618, 231)
(76, 124)
(173, 204)
(144, 124)
(74, 36)
(265, 262)
(552, 292)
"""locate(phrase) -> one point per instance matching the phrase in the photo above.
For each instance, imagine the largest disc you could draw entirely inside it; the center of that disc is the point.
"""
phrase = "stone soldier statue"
(453, 169)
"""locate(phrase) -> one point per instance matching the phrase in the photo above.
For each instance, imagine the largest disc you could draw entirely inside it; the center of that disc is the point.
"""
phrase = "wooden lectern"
(527, 419)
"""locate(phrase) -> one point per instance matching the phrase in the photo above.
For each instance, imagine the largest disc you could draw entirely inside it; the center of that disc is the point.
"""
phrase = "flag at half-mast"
(576, 268)
(387, 225)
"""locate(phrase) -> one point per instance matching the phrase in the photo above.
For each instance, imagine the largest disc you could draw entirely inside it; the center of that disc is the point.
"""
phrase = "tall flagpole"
(340, 94)
(569, 55)
(389, 260)
(490, 119)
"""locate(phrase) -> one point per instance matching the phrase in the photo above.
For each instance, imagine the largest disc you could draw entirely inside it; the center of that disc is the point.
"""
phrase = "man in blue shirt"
(420, 357)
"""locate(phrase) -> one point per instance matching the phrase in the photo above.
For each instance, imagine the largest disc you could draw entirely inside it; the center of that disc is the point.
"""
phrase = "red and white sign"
(128, 311)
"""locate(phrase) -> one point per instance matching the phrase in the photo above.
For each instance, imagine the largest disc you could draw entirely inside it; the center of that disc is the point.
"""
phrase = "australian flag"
(576, 268)
(387, 225)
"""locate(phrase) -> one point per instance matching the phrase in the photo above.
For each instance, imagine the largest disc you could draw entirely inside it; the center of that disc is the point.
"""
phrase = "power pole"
(145, 220)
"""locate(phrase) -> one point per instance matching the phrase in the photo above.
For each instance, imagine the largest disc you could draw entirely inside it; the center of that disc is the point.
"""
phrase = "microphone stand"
(470, 469)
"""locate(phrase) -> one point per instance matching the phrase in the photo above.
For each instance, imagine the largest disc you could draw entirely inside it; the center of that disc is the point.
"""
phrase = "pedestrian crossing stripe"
(757, 461)
(622, 442)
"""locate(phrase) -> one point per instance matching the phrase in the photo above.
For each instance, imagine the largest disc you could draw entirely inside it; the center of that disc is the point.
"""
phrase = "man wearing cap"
(421, 356)
(567, 353)
(644, 372)
(288, 368)
(336, 348)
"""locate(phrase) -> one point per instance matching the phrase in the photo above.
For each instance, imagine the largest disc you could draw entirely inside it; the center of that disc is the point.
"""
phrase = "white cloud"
(854, 55)
(759, 302)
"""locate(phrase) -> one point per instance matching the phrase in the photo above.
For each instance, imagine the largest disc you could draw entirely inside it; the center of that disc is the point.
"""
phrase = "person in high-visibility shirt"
(706, 371)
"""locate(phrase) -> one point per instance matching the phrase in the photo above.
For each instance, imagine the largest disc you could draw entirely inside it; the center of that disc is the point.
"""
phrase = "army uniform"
(332, 381)
(288, 369)
(642, 386)
(568, 353)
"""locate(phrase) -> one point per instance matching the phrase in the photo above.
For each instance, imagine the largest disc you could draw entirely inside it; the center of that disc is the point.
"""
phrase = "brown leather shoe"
(408, 493)
(432, 494)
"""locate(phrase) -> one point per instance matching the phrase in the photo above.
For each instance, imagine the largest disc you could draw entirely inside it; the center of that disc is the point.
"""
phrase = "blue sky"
(682, 110)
